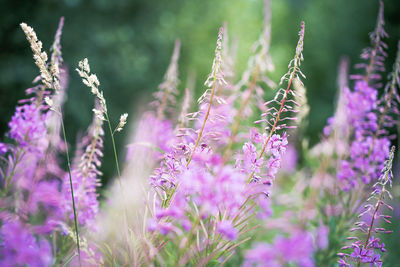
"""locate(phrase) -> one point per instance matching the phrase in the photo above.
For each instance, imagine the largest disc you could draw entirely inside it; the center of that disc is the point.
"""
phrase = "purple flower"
(255, 136)
(85, 176)
(289, 159)
(298, 248)
(3, 148)
(361, 254)
(322, 236)
(27, 127)
(153, 132)
(20, 247)
(366, 251)
(227, 230)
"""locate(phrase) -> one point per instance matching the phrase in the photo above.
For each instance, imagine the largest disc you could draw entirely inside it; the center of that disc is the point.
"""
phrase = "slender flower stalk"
(72, 191)
(391, 97)
(366, 250)
(92, 82)
(377, 53)
(101, 112)
(215, 76)
(86, 173)
(294, 71)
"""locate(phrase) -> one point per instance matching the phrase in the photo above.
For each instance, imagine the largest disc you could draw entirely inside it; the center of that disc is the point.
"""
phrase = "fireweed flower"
(297, 249)
(86, 176)
(205, 192)
(369, 143)
(152, 134)
(22, 247)
(3, 148)
(279, 112)
(227, 229)
(192, 194)
(27, 127)
(202, 200)
(365, 247)
(215, 79)
(33, 171)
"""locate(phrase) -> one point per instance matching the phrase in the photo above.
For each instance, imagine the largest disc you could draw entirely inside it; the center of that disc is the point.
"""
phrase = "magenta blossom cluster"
(34, 192)
(367, 248)
(369, 145)
(367, 151)
(297, 249)
(198, 187)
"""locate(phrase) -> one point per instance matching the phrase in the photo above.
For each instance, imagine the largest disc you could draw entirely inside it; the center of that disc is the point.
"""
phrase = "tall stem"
(378, 203)
(292, 75)
(392, 88)
(205, 119)
(119, 176)
(114, 148)
(72, 189)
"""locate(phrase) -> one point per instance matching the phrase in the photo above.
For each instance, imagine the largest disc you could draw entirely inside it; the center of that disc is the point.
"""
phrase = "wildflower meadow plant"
(204, 184)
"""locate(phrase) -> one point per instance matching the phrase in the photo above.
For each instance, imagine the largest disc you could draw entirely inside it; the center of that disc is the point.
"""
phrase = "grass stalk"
(72, 189)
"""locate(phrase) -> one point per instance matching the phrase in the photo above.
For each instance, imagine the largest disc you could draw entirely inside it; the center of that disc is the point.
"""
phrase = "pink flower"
(227, 230)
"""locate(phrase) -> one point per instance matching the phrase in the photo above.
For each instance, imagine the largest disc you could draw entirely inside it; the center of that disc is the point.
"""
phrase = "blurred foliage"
(129, 43)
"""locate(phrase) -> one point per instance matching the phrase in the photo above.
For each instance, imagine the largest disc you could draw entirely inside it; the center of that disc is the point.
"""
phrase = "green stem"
(72, 189)
(114, 148)
(205, 118)
(119, 175)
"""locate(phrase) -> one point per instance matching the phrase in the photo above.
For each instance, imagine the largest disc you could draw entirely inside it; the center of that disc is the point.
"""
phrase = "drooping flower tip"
(216, 74)
(380, 22)
(300, 44)
(387, 174)
(56, 45)
(219, 40)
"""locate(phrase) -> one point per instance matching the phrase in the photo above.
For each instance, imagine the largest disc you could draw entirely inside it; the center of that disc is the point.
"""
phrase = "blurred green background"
(129, 44)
